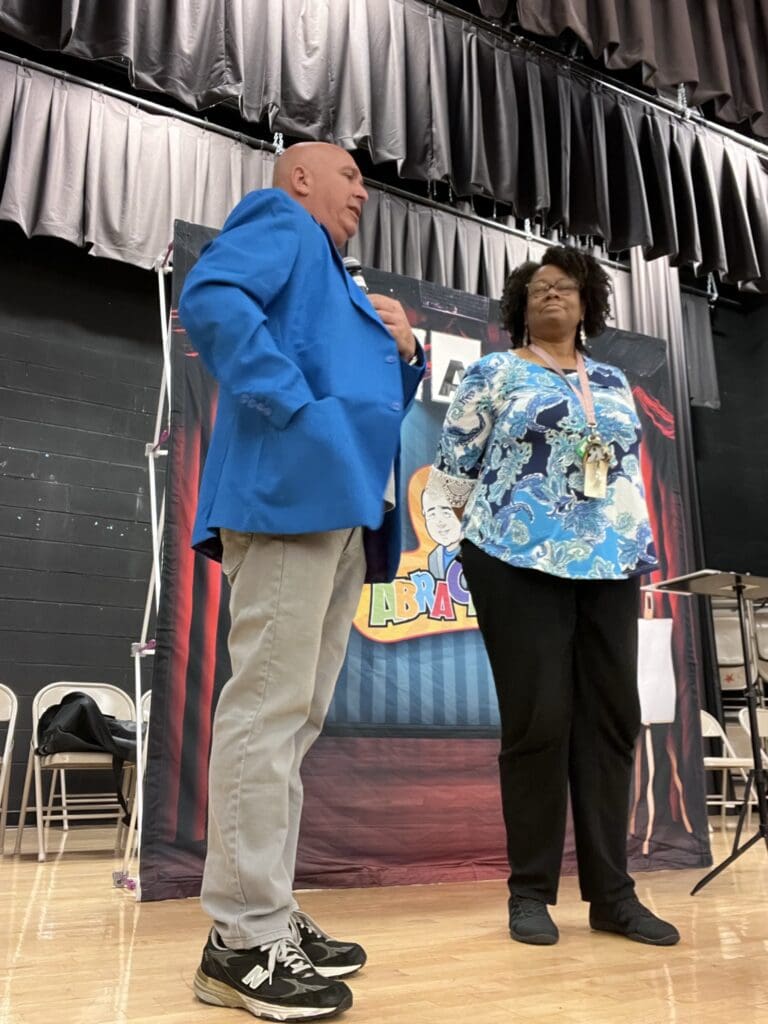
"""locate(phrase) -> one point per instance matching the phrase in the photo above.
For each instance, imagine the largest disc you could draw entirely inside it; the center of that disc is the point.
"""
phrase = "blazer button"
(391, 359)
(396, 406)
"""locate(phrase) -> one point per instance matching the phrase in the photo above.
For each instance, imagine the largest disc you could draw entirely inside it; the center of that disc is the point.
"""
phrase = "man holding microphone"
(297, 500)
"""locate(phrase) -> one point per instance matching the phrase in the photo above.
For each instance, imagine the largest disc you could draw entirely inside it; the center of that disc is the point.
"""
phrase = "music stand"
(713, 583)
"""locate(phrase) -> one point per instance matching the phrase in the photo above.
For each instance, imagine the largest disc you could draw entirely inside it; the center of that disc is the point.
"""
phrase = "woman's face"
(554, 307)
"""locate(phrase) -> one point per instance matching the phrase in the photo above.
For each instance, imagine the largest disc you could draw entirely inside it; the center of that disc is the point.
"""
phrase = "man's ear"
(300, 179)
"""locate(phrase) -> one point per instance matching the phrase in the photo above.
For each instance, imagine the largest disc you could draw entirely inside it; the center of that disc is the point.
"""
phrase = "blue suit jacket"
(312, 391)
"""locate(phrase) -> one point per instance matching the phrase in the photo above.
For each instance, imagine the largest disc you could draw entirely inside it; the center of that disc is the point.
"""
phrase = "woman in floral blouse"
(540, 457)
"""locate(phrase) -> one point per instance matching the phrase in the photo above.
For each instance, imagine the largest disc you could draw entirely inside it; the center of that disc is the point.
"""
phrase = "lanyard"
(583, 392)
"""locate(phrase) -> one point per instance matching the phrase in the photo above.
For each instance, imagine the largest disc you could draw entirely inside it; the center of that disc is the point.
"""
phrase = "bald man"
(314, 381)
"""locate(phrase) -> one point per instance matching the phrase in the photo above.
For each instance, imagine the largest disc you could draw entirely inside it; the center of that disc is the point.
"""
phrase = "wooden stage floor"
(75, 950)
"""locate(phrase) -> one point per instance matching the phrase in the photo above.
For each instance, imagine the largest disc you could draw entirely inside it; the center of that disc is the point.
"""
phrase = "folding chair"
(761, 641)
(727, 762)
(762, 728)
(730, 653)
(9, 708)
(93, 806)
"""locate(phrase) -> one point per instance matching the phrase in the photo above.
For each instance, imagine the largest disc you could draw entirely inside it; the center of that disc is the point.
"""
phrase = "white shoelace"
(298, 920)
(286, 953)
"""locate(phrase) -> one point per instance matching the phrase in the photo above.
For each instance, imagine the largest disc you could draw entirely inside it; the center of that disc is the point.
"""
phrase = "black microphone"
(355, 271)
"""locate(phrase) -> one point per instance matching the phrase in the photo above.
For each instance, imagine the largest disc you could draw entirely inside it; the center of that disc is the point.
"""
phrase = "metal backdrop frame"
(144, 647)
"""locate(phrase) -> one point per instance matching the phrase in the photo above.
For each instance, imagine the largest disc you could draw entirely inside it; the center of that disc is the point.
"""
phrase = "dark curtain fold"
(699, 352)
(715, 47)
(654, 139)
(445, 100)
(714, 256)
(494, 8)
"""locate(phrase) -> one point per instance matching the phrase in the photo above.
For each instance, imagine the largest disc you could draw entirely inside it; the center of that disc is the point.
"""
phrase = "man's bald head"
(306, 155)
(327, 182)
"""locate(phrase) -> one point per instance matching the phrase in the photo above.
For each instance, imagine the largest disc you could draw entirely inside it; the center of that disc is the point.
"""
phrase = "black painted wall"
(80, 364)
(731, 445)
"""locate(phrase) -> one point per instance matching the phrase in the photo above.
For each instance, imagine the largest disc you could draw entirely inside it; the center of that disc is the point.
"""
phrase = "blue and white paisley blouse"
(508, 450)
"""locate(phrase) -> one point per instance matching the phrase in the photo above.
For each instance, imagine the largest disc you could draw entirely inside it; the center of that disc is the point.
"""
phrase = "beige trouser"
(292, 602)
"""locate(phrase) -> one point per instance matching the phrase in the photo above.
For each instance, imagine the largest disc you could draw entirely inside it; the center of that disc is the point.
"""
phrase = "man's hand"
(394, 319)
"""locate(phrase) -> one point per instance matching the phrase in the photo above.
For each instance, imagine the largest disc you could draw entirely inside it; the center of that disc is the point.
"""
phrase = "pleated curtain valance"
(94, 170)
(97, 171)
(448, 100)
(716, 48)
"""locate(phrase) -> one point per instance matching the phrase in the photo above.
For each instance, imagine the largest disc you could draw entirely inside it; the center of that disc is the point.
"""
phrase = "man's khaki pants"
(292, 602)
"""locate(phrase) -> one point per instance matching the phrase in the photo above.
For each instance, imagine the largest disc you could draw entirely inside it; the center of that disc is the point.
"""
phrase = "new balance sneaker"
(274, 981)
(629, 917)
(329, 957)
(529, 921)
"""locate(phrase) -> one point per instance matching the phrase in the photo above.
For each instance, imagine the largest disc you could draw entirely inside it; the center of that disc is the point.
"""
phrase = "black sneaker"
(529, 921)
(274, 981)
(329, 957)
(629, 917)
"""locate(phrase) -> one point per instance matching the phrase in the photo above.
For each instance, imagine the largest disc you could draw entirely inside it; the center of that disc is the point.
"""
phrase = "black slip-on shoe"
(529, 921)
(630, 918)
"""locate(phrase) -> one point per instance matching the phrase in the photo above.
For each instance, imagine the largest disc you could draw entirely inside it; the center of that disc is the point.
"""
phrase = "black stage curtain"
(446, 100)
(716, 48)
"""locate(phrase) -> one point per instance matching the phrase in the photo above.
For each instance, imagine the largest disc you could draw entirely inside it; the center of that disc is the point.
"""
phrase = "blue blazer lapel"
(358, 297)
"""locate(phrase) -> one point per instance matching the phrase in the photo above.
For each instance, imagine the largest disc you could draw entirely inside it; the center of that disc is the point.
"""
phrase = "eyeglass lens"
(560, 287)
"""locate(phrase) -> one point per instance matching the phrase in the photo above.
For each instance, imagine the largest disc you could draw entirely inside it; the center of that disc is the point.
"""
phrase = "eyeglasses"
(561, 287)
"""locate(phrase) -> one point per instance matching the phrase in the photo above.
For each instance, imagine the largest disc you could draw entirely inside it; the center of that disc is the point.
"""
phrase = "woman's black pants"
(564, 659)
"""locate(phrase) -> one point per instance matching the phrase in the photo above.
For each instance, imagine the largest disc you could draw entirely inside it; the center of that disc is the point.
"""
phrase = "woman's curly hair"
(594, 288)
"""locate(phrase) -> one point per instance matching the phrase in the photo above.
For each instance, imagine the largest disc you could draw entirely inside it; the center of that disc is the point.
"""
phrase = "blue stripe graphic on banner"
(439, 682)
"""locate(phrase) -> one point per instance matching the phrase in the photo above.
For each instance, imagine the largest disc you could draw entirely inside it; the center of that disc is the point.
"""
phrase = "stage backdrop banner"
(402, 786)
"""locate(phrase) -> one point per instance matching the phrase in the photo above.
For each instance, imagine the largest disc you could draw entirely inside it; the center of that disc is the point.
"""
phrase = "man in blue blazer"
(298, 499)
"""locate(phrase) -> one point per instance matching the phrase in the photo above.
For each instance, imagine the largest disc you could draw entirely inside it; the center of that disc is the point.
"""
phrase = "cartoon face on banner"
(429, 594)
(443, 526)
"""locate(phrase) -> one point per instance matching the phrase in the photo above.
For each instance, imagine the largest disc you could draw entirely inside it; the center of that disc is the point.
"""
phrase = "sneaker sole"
(667, 940)
(216, 993)
(542, 939)
(338, 972)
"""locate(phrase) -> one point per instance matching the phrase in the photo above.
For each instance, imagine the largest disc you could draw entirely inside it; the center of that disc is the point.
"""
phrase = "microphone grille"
(354, 269)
